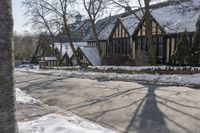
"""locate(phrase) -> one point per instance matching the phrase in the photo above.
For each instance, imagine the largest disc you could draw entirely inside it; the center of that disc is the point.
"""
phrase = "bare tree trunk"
(94, 29)
(148, 26)
(68, 33)
(93, 8)
(8, 122)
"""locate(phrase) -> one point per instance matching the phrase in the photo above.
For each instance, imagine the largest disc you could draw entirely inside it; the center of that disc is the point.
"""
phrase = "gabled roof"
(116, 25)
(175, 19)
(104, 28)
(170, 16)
(79, 24)
(131, 22)
(79, 30)
(91, 53)
(67, 49)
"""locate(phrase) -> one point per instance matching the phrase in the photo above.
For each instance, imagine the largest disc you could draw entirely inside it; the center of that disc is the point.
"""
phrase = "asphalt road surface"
(125, 107)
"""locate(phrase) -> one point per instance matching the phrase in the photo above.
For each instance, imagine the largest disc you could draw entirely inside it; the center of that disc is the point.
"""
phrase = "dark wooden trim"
(141, 23)
(157, 24)
(117, 23)
(157, 41)
(126, 31)
(164, 48)
(114, 29)
(170, 49)
(137, 28)
(93, 41)
(118, 41)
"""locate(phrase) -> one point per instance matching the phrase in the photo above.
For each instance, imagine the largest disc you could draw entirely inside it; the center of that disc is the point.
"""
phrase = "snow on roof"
(175, 19)
(67, 49)
(104, 28)
(170, 15)
(92, 55)
(50, 58)
(107, 28)
(131, 22)
(77, 25)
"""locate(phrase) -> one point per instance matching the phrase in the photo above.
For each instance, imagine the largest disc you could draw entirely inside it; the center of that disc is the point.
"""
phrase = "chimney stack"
(78, 17)
(127, 9)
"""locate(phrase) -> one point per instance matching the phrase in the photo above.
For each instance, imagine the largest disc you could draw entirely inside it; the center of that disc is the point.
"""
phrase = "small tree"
(182, 50)
(195, 49)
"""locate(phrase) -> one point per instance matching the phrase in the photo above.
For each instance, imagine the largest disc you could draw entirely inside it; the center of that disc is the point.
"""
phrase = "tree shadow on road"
(90, 102)
(148, 117)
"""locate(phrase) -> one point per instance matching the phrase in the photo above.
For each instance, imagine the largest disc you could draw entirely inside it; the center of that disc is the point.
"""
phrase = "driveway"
(126, 107)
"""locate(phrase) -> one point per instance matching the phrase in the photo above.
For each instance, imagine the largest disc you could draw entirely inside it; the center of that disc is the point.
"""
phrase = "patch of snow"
(24, 66)
(167, 79)
(23, 98)
(50, 58)
(138, 68)
(92, 55)
(56, 123)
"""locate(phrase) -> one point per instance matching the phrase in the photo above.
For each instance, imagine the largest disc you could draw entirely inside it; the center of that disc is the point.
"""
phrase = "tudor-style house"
(123, 37)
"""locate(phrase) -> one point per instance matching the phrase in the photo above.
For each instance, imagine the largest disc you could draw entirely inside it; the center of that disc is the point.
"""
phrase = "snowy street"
(120, 106)
(36, 117)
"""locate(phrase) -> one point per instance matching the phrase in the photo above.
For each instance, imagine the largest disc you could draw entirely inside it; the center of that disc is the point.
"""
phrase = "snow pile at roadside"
(23, 98)
(138, 68)
(156, 78)
(56, 123)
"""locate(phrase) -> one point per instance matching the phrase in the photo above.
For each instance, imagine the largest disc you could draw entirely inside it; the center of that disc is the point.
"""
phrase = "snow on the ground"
(168, 79)
(56, 123)
(23, 98)
(131, 68)
(138, 68)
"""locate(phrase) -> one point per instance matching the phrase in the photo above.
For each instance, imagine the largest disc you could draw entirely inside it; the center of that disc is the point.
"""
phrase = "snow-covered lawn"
(55, 123)
(174, 79)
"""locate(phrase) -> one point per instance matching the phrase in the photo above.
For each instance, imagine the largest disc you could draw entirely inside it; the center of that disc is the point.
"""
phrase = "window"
(139, 41)
(144, 41)
(155, 40)
(160, 39)
(160, 51)
(80, 55)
